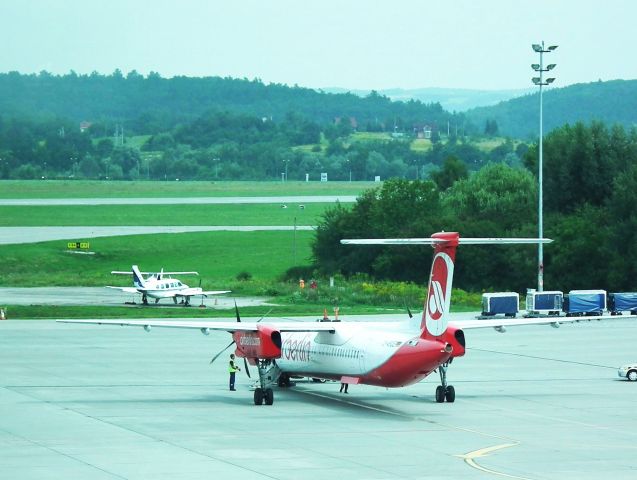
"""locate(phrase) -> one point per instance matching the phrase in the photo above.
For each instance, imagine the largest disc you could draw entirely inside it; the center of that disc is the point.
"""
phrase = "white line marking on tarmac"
(470, 459)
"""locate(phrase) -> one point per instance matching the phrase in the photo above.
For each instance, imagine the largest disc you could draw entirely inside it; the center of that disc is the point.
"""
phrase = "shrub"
(244, 276)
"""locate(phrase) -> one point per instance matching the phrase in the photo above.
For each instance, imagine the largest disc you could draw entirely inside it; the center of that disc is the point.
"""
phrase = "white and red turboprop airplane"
(161, 285)
(392, 354)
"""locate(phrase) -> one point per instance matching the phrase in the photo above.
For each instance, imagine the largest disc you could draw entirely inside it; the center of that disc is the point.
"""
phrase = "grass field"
(217, 256)
(211, 214)
(112, 189)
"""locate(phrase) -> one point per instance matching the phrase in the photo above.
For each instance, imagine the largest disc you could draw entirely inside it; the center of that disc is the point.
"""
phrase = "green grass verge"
(35, 312)
(116, 189)
(43, 312)
(212, 214)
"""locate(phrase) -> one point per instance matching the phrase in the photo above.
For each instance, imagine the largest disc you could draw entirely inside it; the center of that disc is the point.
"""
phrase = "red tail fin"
(436, 309)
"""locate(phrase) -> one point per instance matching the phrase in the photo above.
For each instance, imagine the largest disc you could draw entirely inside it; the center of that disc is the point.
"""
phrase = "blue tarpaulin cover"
(619, 302)
(585, 302)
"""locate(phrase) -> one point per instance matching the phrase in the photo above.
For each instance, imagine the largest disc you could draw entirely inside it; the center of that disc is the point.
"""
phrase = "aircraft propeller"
(245, 360)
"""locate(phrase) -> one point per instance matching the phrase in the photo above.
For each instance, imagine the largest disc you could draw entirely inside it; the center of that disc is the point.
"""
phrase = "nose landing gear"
(264, 393)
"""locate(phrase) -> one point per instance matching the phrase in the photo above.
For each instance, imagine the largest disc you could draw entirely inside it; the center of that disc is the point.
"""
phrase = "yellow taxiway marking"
(470, 459)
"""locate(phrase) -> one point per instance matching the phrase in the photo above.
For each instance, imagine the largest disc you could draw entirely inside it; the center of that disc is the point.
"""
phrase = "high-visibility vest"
(232, 367)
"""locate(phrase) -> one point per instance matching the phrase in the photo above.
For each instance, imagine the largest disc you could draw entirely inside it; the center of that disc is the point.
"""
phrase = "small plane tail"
(438, 300)
(138, 279)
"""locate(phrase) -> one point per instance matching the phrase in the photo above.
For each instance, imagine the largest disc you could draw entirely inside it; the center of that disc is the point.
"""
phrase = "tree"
(452, 170)
(491, 128)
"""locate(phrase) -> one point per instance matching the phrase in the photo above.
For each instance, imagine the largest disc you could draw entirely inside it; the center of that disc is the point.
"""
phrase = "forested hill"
(611, 102)
(154, 104)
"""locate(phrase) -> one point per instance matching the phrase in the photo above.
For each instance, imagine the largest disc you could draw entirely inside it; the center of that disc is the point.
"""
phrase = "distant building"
(352, 121)
(423, 131)
(85, 126)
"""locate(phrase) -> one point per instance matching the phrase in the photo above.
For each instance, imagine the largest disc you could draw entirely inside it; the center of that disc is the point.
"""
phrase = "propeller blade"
(245, 362)
(218, 354)
(409, 313)
(236, 309)
(265, 315)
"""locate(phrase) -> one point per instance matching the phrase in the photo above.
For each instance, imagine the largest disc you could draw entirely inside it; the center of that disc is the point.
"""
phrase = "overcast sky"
(355, 44)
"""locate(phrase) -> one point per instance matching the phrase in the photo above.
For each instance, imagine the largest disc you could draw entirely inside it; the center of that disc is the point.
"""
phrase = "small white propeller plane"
(162, 285)
(385, 354)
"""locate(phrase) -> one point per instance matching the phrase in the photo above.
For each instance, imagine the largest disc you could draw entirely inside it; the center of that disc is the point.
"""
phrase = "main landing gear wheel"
(632, 375)
(144, 299)
(440, 394)
(284, 381)
(444, 391)
(450, 394)
(268, 396)
(258, 396)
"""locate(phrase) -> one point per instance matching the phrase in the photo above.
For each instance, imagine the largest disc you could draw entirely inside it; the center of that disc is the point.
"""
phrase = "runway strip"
(177, 200)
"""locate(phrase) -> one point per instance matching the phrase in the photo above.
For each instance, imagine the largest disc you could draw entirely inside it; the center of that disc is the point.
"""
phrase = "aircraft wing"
(126, 289)
(129, 272)
(515, 322)
(190, 292)
(206, 325)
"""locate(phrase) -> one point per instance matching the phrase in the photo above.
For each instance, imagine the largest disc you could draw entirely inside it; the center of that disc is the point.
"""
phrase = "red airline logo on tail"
(439, 295)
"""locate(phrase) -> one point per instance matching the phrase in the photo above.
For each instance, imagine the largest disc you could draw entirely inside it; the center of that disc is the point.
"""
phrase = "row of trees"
(152, 104)
(592, 218)
(226, 146)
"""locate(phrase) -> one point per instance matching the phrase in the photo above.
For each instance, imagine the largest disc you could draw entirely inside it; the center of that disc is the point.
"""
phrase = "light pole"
(540, 81)
(216, 162)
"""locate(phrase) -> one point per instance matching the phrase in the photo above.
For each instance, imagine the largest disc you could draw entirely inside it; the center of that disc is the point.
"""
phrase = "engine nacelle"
(454, 336)
(264, 343)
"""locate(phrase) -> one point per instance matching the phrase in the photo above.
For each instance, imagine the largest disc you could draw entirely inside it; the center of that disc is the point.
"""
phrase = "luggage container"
(622, 302)
(585, 302)
(544, 303)
(500, 303)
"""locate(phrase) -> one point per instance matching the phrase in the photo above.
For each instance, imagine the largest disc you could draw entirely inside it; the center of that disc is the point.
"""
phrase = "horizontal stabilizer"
(439, 241)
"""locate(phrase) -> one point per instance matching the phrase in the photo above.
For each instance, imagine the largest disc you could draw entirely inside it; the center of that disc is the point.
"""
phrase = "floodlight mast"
(539, 81)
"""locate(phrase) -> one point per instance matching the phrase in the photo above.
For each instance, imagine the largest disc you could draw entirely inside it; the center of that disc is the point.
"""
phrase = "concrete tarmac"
(98, 402)
(111, 297)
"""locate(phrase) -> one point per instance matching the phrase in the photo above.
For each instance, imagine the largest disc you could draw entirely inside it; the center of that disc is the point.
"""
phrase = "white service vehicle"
(628, 371)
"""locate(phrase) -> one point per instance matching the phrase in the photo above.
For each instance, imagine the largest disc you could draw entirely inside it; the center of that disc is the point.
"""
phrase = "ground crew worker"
(232, 368)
